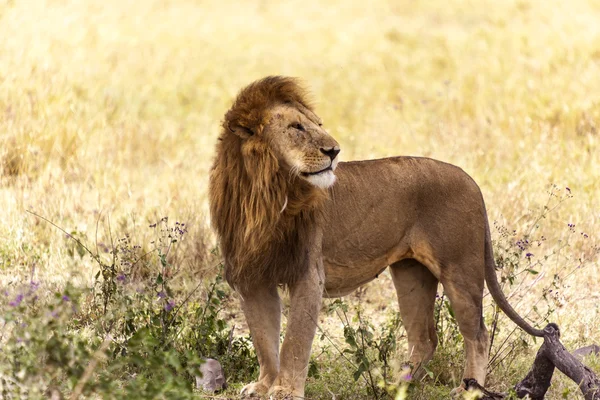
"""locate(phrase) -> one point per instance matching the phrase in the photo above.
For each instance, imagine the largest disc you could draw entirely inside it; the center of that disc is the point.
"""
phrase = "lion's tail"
(495, 289)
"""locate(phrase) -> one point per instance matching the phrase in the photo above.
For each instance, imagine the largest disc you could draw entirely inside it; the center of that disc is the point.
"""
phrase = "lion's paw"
(254, 390)
(282, 393)
(457, 392)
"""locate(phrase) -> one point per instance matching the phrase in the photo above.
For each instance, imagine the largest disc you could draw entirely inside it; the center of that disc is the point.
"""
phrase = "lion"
(286, 213)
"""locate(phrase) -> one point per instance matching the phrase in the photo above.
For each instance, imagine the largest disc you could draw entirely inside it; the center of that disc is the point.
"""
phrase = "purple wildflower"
(66, 298)
(522, 244)
(529, 255)
(162, 294)
(17, 301)
(170, 305)
(121, 278)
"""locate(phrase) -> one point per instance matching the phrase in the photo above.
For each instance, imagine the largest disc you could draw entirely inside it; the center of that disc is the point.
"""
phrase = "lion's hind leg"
(465, 292)
(416, 288)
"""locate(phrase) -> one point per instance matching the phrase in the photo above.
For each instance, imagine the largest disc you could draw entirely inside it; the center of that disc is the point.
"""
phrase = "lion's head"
(273, 163)
(273, 115)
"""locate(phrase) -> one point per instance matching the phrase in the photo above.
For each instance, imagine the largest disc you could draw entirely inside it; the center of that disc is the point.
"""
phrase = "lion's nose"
(332, 152)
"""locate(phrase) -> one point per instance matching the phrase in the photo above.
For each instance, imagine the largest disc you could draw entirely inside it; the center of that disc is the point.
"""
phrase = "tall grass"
(109, 111)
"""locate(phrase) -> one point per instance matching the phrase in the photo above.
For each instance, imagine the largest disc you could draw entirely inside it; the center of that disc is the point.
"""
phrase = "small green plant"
(370, 353)
(39, 353)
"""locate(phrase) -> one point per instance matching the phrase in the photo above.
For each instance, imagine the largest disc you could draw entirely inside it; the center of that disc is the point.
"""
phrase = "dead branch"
(552, 354)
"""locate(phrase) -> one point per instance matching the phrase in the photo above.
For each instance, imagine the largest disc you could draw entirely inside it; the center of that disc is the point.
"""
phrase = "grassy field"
(109, 111)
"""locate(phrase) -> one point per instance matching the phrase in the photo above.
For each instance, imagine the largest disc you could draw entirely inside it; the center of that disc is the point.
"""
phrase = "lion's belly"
(356, 258)
(341, 280)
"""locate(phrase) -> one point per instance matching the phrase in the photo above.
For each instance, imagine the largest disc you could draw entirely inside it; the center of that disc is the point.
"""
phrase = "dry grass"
(109, 109)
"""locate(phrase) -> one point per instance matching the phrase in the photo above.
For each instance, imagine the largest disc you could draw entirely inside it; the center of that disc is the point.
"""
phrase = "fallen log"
(552, 354)
(586, 351)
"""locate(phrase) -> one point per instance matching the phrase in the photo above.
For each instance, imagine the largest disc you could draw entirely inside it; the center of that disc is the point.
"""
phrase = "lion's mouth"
(329, 168)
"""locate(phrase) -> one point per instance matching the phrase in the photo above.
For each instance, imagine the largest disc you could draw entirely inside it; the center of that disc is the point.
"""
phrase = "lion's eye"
(298, 125)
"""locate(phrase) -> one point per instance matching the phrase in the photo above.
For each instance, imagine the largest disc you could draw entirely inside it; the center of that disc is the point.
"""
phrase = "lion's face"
(301, 145)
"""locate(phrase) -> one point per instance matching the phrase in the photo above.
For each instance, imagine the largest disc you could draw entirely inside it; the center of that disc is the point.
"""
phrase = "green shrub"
(123, 337)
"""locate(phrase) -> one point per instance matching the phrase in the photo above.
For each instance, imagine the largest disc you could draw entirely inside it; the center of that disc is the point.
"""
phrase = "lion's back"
(380, 200)
(411, 178)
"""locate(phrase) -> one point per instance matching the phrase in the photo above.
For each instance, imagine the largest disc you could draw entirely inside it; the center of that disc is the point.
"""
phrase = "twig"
(65, 232)
(89, 370)
(96, 235)
(331, 341)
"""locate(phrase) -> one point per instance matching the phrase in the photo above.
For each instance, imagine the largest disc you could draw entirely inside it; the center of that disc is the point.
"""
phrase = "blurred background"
(109, 111)
(113, 107)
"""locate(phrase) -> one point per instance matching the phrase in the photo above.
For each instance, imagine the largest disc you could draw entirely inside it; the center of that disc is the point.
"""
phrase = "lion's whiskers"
(294, 172)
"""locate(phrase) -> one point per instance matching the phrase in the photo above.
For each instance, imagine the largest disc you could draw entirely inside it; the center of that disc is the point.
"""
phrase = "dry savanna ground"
(109, 111)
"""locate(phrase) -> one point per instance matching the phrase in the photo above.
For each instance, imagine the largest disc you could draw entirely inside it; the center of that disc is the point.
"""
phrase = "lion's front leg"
(262, 309)
(305, 304)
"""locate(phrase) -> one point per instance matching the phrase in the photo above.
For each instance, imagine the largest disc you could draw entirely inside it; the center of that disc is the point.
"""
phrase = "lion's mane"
(248, 191)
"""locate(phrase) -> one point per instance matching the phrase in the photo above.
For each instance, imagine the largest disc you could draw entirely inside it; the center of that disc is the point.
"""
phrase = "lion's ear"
(240, 130)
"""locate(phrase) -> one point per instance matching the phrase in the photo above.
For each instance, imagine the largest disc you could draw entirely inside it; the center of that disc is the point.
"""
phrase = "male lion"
(281, 220)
